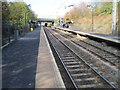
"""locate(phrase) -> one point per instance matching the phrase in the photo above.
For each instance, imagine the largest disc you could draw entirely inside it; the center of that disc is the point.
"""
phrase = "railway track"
(112, 57)
(82, 74)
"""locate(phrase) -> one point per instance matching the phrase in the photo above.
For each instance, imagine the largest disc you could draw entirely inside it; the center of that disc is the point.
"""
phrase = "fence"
(8, 34)
(11, 33)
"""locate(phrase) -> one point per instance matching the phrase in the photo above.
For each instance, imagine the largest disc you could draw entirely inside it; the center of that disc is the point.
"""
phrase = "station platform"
(108, 38)
(47, 73)
(29, 63)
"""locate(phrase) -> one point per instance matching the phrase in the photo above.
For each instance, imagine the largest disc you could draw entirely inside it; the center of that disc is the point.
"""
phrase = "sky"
(50, 8)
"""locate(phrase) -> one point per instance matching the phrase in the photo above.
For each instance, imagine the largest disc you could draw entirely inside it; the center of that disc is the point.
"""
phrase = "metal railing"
(8, 34)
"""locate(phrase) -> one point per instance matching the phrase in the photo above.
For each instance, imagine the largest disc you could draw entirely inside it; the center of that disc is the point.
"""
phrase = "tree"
(17, 12)
(106, 8)
(78, 12)
(5, 11)
(20, 13)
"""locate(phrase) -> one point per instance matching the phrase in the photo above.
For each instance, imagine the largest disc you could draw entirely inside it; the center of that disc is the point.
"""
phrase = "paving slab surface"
(21, 63)
(47, 75)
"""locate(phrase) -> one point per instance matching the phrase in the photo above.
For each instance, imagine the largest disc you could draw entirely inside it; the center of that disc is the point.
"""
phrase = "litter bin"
(31, 29)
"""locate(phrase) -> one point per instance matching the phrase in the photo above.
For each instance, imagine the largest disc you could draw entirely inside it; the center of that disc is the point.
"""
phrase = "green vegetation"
(100, 9)
(18, 13)
(102, 17)
(5, 11)
(105, 9)
(57, 21)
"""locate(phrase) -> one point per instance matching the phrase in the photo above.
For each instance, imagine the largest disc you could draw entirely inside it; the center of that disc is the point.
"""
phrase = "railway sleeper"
(71, 63)
(86, 80)
(74, 66)
(68, 55)
(90, 86)
(80, 71)
(89, 75)
(64, 58)
(113, 59)
(80, 74)
(59, 51)
(73, 60)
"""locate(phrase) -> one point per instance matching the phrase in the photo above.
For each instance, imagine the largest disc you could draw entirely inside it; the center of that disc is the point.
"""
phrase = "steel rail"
(92, 45)
(62, 63)
(112, 63)
(86, 63)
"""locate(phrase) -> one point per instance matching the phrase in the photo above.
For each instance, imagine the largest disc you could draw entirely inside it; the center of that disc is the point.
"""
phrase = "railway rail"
(109, 71)
(110, 41)
(99, 50)
(81, 73)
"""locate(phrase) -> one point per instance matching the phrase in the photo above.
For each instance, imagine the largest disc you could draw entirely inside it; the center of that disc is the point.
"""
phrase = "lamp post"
(114, 16)
(69, 6)
(92, 8)
(72, 5)
(118, 18)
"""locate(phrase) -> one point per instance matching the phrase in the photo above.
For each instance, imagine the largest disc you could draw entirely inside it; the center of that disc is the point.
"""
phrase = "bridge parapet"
(45, 20)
